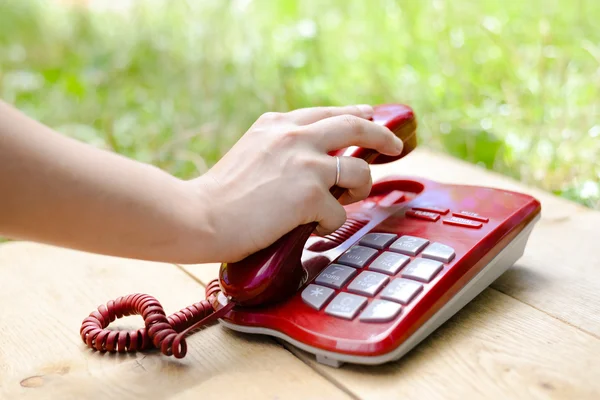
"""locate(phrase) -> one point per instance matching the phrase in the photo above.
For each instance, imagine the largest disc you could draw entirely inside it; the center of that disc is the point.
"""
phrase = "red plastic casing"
(507, 212)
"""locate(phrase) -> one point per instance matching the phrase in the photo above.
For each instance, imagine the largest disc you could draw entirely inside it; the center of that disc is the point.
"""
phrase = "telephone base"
(506, 258)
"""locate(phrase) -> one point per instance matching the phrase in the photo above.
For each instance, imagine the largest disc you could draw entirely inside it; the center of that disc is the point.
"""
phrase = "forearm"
(56, 190)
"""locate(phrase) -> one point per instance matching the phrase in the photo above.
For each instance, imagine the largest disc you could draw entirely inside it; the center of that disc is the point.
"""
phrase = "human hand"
(278, 176)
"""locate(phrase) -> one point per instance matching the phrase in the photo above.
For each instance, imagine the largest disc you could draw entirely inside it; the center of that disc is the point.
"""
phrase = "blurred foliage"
(513, 86)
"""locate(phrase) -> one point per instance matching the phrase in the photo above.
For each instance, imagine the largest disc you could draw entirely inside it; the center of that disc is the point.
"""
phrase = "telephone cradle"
(409, 256)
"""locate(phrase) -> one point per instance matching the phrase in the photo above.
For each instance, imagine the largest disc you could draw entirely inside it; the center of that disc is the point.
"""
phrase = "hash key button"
(335, 276)
(368, 283)
(357, 256)
(345, 305)
(389, 263)
(380, 311)
(409, 245)
(378, 240)
(401, 290)
(315, 295)
(422, 269)
(439, 252)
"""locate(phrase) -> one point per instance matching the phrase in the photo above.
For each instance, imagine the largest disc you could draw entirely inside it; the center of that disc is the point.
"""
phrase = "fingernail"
(399, 144)
(366, 110)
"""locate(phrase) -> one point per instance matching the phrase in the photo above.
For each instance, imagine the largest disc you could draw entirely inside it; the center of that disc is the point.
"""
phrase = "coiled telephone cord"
(164, 333)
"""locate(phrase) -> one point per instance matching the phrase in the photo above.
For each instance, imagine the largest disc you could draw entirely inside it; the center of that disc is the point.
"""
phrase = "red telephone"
(408, 258)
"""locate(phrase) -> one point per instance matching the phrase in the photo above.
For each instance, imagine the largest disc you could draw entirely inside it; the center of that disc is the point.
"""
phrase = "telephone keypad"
(335, 276)
(380, 311)
(389, 263)
(346, 305)
(409, 245)
(401, 290)
(374, 279)
(316, 296)
(422, 269)
(357, 256)
(368, 283)
(378, 240)
(439, 252)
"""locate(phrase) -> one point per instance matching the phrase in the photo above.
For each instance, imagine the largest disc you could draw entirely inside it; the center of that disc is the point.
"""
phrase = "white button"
(315, 295)
(357, 256)
(389, 263)
(401, 290)
(380, 311)
(335, 275)
(378, 240)
(368, 283)
(422, 269)
(345, 305)
(409, 245)
(439, 252)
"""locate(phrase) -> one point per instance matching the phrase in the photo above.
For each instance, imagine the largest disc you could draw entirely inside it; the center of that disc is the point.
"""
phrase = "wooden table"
(535, 333)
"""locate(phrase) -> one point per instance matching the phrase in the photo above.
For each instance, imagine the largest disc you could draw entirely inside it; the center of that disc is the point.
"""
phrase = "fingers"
(355, 175)
(348, 130)
(356, 194)
(331, 216)
(305, 116)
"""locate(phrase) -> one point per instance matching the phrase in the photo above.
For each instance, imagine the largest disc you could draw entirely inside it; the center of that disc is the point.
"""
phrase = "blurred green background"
(510, 85)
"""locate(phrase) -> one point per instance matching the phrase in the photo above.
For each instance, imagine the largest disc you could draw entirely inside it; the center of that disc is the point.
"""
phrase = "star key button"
(316, 296)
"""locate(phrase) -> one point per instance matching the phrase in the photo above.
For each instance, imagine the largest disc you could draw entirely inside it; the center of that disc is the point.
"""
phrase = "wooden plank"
(46, 293)
(495, 348)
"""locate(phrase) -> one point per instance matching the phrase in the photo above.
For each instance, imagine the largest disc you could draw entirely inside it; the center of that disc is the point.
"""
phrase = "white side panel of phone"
(504, 260)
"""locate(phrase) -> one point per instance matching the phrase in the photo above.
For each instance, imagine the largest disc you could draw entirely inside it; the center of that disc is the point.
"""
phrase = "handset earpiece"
(275, 272)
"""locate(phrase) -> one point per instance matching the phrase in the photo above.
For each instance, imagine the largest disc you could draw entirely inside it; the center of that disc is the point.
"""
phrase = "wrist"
(197, 238)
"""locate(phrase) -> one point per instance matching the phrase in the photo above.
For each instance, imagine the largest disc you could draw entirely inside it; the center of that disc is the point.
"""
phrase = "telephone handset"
(274, 273)
(408, 258)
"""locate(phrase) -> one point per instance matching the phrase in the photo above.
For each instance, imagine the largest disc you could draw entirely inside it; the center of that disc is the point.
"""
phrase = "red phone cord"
(164, 333)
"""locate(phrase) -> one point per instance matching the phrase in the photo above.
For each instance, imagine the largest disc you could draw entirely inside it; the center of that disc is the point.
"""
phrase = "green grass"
(513, 86)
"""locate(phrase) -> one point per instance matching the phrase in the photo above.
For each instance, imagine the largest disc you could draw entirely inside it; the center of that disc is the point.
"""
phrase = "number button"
(378, 240)
(315, 295)
(368, 283)
(409, 245)
(357, 256)
(401, 290)
(380, 311)
(345, 305)
(389, 263)
(439, 252)
(422, 269)
(335, 276)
